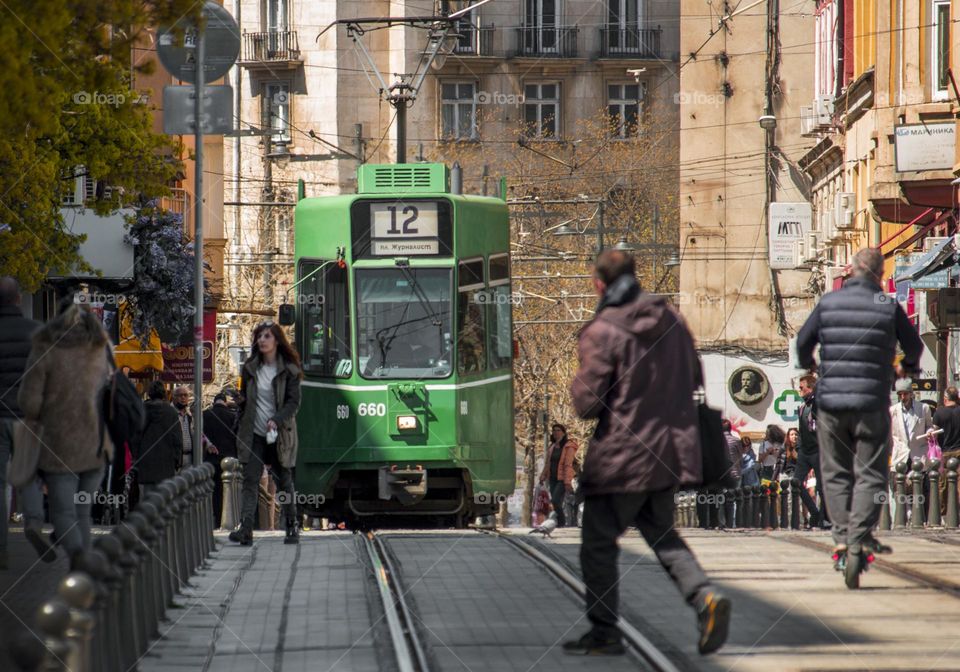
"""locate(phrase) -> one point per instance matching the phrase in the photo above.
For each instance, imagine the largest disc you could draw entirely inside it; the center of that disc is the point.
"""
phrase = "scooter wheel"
(851, 572)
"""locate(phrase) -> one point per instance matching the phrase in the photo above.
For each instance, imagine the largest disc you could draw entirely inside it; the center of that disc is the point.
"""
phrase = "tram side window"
(471, 336)
(498, 312)
(325, 315)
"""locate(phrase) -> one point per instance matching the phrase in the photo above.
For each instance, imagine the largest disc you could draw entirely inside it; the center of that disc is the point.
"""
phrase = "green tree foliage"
(65, 75)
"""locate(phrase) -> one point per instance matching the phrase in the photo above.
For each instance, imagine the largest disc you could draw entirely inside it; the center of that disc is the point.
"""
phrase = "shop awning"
(942, 256)
(128, 351)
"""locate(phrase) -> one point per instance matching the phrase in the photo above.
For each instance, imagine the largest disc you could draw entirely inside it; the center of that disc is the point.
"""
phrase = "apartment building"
(885, 158)
(745, 70)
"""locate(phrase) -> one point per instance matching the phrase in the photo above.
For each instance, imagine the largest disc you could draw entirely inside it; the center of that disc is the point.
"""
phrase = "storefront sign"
(932, 281)
(789, 223)
(178, 358)
(924, 146)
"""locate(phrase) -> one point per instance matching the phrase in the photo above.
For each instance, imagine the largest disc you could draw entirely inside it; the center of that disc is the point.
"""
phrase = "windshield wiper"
(404, 266)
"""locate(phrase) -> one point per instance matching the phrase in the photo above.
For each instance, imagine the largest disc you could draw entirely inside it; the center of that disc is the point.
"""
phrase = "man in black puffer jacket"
(857, 328)
(15, 342)
(157, 454)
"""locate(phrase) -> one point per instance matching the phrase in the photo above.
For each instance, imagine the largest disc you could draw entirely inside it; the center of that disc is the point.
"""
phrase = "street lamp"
(768, 122)
(623, 245)
(673, 261)
(281, 154)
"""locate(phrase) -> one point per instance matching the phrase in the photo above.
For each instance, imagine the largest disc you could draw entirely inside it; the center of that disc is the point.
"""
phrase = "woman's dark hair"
(286, 350)
(156, 391)
(745, 440)
(775, 434)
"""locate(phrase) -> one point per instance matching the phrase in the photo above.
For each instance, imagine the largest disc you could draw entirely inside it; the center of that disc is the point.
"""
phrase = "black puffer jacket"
(157, 455)
(15, 342)
(857, 327)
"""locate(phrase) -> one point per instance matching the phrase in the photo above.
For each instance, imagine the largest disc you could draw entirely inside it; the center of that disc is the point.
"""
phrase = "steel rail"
(411, 656)
(643, 647)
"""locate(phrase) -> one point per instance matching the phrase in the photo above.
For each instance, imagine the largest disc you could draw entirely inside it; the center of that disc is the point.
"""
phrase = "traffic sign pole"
(198, 256)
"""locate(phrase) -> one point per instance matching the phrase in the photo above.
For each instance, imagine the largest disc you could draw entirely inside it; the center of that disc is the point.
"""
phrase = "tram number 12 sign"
(404, 228)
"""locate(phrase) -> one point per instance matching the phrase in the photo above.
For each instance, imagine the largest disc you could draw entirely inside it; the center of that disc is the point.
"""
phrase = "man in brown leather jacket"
(558, 471)
(637, 377)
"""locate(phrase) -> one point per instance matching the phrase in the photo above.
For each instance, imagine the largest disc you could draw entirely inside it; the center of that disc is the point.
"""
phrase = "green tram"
(403, 322)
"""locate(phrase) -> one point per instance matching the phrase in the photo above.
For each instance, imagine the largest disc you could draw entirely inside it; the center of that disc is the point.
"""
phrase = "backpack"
(121, 409)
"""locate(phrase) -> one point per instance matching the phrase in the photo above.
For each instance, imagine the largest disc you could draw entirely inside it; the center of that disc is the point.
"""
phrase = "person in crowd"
(910, 420)
(808, 452)
(733, 450)
(60, 390)
(158, 454)
(270, 389)
(183, 402)
(857, 328)
(947, 418)
(637, 376)
(787, 459)
(749, 469)
(770, 451)
(218, 424)
(558, 472)
(15, 342)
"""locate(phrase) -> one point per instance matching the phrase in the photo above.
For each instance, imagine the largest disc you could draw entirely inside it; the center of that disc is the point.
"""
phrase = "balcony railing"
(273, 46)
(630, 42)
(552, 42)
(475, 41)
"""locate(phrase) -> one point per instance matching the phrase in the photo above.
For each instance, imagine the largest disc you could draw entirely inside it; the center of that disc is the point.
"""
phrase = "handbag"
(122, 410)
(27, 442)
(717, 470)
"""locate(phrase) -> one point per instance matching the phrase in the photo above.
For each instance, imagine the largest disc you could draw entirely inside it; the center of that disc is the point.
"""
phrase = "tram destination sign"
(404, 228)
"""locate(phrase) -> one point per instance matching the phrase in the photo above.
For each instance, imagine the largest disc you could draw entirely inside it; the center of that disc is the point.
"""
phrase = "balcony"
(271, 50)
(630, 42)
(475, 41)
(547, 42)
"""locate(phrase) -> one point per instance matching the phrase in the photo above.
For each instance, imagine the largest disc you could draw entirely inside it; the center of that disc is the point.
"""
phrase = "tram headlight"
(406, 423)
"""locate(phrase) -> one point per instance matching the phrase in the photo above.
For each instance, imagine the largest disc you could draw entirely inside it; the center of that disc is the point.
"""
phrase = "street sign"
(789, 223)
(179, 110)
(221, 45)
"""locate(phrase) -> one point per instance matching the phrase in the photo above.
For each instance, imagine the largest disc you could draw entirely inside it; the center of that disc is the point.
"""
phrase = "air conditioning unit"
(812, 247)
(808, 121)
(827, 227)
(823, 110)
(799, 253)
(846, 207)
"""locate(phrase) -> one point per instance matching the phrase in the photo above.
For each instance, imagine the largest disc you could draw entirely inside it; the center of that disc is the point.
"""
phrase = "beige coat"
(61, 388)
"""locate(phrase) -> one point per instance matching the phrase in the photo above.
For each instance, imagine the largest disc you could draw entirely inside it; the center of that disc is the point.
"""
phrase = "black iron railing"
(553, 41)
(475, 41)
(273, 45)
(630, 42)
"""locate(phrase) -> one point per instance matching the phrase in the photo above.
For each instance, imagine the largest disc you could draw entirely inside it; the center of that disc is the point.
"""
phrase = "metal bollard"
(916, 506)
(111, 548)
(728, 508)
(230, 516)
(179, 506)
(209, 486)
(27, 652)
(748, 507)
(795, 486)
(78, 592)
(154, 537)
(885, 506)
(168, 490)
(133, 646)
(784, 489)
(933, 506)
(952, 464)
(900, 496)
(773, 496)
(53, 620)
(136, 525)
(759, 494)
(94, 564)
(763, 521)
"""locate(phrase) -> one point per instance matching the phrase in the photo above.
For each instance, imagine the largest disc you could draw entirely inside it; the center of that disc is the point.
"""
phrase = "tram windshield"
(403, 322)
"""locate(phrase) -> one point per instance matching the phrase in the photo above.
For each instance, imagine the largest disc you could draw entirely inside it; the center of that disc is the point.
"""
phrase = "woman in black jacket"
(158, 452)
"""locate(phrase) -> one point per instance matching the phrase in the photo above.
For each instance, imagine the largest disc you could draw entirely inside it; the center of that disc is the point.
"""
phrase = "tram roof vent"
(411, 178)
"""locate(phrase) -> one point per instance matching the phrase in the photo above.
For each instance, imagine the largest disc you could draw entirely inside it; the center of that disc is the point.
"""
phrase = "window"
(498, 312)
(540, 26)
(466, 29)
(458, 111)
(276, 16)
(541, 109)
(324, 337)
(941, 49)
(826, 50)
(471, 350)
(624, 106)
(623, 25)
(403, 322)
(276, 111)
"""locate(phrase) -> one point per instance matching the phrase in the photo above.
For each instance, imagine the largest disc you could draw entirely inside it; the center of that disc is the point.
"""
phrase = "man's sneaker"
(242, 535)
(713, 617)
(43, 548)
(595, 644)
(293, 535)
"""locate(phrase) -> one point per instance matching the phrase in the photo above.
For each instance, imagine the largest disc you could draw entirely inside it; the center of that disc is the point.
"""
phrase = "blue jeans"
(71, 496)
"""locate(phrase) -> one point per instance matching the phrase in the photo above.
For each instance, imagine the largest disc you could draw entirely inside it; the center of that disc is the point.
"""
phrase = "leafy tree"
(66, 72)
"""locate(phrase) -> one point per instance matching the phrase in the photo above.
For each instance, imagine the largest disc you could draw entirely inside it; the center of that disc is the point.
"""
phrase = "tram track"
(890, 567)
(409, 650)
(644, 650)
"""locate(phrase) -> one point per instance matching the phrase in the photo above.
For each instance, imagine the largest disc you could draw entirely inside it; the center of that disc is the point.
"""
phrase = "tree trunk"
(529, 466)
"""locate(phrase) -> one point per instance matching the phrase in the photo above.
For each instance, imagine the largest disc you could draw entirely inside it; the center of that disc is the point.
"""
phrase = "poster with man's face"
(748, 386)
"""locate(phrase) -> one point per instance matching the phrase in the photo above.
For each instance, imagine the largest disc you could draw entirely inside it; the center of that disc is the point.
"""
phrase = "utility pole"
(198, 258)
